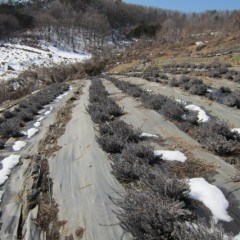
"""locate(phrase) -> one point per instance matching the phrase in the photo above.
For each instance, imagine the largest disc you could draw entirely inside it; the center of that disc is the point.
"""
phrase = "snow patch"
(48, 112)
(237, 237)
(18, 145)
(37, 124)
(170, 155)
(20, 57)
(8, 164)
(202, 116)
(31, 132)
(211, 196)
(236, 130)
(199, 43)
(1, 195)
(41, 118)
(142, 135)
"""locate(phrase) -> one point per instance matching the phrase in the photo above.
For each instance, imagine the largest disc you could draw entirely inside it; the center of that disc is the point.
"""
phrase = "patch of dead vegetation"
(191, 169)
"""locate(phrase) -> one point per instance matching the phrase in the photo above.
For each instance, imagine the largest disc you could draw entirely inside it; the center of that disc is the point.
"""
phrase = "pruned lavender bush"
(2, 120)
(173, 82)
(183, 79)
(154, 101)
(2, 144)
(98, 113)
(10, 128)
(8, 114)
(217, 136)
(111, 143)
(156, 209)
(134, 160)
(121, 129)
(25, 115)
(147, 215)
(173, 110)
(232, 99)
(168, 186)
(198, 89)
(115, 135)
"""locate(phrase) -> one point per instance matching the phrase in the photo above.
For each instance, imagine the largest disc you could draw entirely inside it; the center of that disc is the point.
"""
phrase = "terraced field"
(124, 158)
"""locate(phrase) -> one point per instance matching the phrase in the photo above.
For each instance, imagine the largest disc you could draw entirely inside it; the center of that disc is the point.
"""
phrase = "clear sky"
(190, 5)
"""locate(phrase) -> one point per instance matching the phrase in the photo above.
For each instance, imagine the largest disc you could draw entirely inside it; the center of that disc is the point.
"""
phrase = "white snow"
(199, 43)
(211, 196)
(31, 132)
(209, 90)
(49, 111)
(37, 124)
(8, 164)
(202, 116)
(237, 237)
(170, 155)
(62, 95)
(142, 135)
(41, 118)
(21, 57)
(18, 145)
(180, 101)
(236, 130)
(1, 195)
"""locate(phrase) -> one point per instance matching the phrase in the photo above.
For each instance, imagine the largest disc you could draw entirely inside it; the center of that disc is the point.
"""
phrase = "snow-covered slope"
(16, 57)
(14, 1)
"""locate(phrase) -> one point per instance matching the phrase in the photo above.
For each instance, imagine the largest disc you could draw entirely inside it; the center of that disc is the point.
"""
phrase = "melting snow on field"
(18, 145)
(41, 118)
(31, 132)
(49, 111)
(1, 195)
(37, 124)
(211, 196)
(202, 116)
(236, 130)
(8, 164)
(170, 155)
(143, 135)
(237, 237)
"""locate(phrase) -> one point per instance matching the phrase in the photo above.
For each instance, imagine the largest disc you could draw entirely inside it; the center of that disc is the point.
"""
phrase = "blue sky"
(190, 5)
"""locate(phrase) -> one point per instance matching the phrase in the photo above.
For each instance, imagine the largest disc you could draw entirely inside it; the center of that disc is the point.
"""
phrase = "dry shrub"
(134, 160)
(101, 107)
(217, 136)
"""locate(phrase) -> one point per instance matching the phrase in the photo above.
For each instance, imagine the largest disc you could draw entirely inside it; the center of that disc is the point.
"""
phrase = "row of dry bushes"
(155, 205)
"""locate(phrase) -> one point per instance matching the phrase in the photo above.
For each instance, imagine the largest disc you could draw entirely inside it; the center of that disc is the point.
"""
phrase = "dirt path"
(152, 122)
(82, 180)
(231, 115)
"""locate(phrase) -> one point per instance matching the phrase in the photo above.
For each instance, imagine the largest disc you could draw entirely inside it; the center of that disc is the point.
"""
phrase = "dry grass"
(191, 168)
(125, 67)
(235, 60)
(79, 232)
